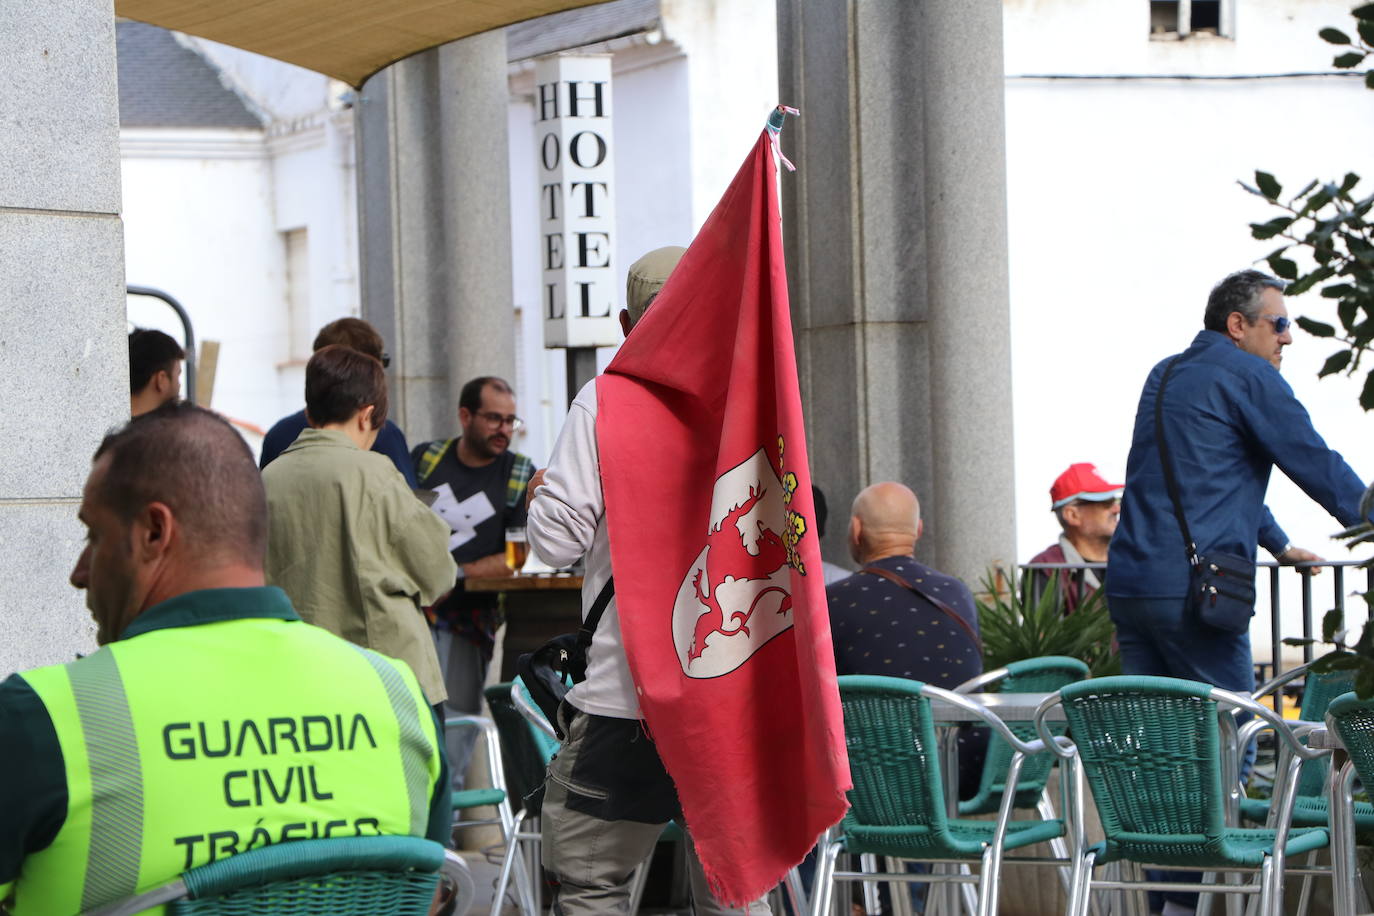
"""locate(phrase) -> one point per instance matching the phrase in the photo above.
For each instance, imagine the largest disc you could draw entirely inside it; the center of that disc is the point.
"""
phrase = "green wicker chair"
(1154, 754)
(527, 750)
(1310, 804)
(1031, 675)
(898, 804)
(1352, 719)
(347, 876)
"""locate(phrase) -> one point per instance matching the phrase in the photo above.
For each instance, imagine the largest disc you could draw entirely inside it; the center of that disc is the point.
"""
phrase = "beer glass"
(517, 548)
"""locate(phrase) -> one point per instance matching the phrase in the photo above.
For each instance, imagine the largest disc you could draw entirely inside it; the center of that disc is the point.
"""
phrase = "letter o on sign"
(549, 152)
(575, 150)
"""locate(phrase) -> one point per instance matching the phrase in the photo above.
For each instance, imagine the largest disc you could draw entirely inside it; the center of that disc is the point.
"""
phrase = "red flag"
(717, 567)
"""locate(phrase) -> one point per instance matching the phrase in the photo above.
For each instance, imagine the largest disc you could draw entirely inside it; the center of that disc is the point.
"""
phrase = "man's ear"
(364, 417)
(625, 322)
(856, 530)
(1235, 326)
(464, 416)
(153, 531)
(1072, 514)
(162, 381)
(920, 528)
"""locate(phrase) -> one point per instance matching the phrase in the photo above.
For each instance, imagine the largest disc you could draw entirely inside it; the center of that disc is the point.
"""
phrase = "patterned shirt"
(881, 628)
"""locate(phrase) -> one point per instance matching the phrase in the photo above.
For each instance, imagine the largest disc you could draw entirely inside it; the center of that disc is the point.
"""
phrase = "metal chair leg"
(869, 863)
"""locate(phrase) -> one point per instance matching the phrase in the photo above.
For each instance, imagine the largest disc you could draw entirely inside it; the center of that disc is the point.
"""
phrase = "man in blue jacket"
(1228, 418)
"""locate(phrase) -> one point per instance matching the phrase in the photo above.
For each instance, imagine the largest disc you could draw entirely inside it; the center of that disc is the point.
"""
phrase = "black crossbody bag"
(1221, 586)
(550, 671)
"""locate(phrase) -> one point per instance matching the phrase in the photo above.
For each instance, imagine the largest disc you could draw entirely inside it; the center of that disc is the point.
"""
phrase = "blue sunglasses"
(1281, 322)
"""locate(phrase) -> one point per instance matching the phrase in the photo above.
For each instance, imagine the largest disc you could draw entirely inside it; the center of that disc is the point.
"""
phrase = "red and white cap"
(1082, 481)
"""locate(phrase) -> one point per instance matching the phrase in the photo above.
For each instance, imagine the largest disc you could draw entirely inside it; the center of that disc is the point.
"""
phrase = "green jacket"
(217, 723)
(355, 550)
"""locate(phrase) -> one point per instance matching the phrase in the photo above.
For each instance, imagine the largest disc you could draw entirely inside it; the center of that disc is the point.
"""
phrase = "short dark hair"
(340, 381)
(150, 352)
(351, 332)
(1239, 292)
(470, 397)
(821, 510)
(196, 464)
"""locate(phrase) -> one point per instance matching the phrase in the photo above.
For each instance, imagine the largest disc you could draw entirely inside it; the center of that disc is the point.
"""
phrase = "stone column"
(62, 325)
(434, 225)
(896, 231)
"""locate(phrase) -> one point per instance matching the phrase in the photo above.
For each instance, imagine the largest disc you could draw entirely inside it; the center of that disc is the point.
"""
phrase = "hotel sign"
(576, 200)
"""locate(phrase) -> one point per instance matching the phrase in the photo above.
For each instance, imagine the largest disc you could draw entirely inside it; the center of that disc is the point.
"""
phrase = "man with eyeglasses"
(1227, 418)
(1087, 507)
(483, 482)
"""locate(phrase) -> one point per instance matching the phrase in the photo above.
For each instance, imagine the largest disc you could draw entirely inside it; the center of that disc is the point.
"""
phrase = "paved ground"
(484, 875)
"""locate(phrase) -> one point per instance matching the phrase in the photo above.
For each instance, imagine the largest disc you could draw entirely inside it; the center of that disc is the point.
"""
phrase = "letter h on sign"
(573, 104)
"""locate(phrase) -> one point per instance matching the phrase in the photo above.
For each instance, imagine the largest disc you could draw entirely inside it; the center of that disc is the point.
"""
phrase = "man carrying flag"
(710, 695)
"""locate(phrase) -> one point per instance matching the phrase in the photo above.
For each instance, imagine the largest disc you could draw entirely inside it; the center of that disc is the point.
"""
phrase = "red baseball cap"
(1082, 481)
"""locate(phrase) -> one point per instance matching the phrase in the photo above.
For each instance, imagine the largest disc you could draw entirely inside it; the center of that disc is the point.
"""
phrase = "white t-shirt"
(567, 520)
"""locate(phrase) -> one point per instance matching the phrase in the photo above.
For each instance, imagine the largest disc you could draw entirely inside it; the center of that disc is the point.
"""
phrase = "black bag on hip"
(1222, 591)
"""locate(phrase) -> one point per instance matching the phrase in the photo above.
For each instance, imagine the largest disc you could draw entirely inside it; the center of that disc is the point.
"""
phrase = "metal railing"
(1338, 573)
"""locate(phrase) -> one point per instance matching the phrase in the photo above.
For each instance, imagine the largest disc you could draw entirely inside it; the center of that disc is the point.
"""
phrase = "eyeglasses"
(1281, 322)
(496, 419)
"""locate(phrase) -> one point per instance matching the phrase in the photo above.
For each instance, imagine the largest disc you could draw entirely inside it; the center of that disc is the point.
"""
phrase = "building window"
(1171, 20)
(298, 293)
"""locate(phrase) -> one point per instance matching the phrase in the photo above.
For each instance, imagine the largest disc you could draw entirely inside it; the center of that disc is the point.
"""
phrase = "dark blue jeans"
(1157, 638)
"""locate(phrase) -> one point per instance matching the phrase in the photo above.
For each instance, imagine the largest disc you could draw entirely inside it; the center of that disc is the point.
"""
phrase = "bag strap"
(893, 577)
(588, 628)
(521, 470)
(1166, 462)
(429, 460)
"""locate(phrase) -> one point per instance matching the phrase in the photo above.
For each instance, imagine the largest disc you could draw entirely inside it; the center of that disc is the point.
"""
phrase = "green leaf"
(1347, 311)
(1337, 291)
(1315, 328)
(1366, 28)
(1337, 661)
(1334, 36)
(1299, 287)
(1348, 60)
(1284, 268)
(1363, 12)
(1334, 363)
(1367, 393)
(1331, 624)
(1267, 230)
(1298, 641)
(1364, 681)
(1369, 80)
(1268, 185)
(1348, 183)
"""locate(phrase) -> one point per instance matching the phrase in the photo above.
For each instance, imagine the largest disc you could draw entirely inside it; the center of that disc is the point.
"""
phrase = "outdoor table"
(1009, 707)
(538, 608)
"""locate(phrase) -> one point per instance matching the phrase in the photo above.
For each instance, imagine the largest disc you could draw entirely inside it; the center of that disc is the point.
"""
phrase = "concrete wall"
(61, 309)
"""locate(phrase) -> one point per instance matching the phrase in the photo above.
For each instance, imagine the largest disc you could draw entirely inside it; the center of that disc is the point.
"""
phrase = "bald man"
(900, 618)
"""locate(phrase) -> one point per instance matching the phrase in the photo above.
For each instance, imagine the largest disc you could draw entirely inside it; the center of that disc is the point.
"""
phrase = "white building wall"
(1124, 211)
(198, 225)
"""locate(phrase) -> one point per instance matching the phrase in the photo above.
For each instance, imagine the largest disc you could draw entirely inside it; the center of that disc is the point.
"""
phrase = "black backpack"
(550, 671)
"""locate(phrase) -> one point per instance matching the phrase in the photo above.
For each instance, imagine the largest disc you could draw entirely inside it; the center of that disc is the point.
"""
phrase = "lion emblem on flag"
(737, 594)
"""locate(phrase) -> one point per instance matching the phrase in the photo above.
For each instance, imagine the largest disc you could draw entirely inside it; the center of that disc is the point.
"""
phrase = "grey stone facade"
(62, 325)
(896, 234)
(435, 225)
